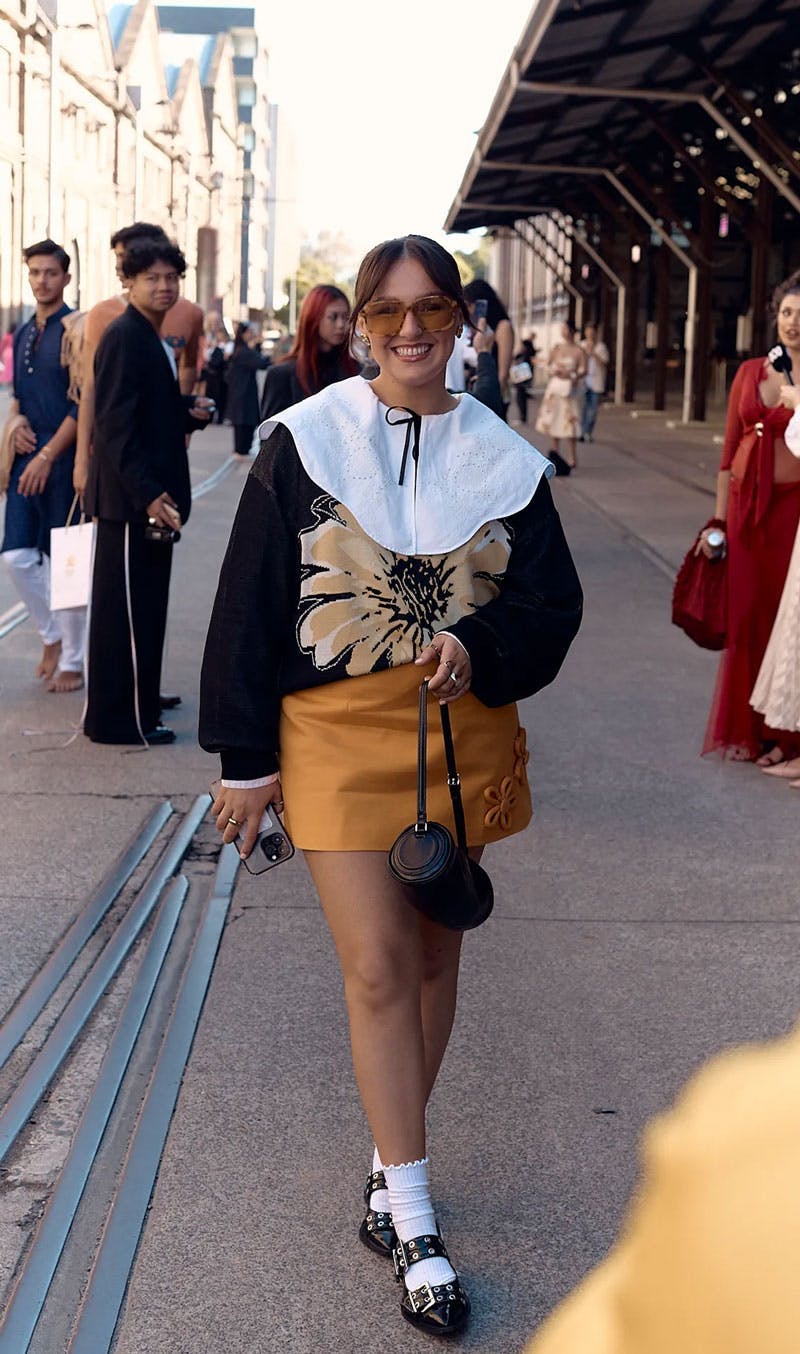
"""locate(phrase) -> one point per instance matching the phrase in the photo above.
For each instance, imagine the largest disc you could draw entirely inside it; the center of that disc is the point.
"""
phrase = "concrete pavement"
(646, 919)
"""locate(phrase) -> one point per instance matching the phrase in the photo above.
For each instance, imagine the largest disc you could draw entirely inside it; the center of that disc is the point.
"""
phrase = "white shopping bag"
(71, 563)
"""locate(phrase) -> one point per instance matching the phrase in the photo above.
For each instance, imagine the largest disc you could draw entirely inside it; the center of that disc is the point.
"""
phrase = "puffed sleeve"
(251, 621)
(518, 641)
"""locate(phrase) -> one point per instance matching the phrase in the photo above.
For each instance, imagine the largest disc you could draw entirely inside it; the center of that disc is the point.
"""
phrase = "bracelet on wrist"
(44, 455)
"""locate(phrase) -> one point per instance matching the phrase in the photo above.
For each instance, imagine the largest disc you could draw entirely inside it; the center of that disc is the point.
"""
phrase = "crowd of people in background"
(67, 441)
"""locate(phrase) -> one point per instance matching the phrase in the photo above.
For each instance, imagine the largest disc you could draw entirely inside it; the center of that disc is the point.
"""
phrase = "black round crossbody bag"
(439, 878)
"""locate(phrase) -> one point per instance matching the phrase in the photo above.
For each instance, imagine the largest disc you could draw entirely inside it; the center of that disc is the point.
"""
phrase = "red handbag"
(700, 598)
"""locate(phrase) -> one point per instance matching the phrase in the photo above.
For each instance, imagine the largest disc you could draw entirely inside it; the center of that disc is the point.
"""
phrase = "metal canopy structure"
(646, 123)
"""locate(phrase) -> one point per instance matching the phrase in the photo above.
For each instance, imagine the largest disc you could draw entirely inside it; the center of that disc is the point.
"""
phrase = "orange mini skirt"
(348, 753)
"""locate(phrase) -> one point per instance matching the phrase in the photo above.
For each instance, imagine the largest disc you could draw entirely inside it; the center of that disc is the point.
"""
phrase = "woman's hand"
(453, 672)
(241, 811)
(482, 337)
(711, 551)
(789, 396)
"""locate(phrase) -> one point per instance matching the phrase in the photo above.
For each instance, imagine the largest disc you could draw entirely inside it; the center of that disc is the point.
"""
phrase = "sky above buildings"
(384, 101)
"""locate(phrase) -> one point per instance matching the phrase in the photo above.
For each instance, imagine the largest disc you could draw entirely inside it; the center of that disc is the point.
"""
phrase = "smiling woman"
(388, 527)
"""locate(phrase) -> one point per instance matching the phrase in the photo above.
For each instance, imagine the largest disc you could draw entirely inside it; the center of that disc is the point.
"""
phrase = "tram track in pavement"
(91, 1059)
(18, 614)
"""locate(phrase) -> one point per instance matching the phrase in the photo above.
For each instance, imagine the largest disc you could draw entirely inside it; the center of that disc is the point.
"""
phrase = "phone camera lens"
(272, 846)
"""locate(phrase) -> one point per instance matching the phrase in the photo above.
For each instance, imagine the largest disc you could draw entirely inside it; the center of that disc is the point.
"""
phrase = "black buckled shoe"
(376, 1231)
(437, 1309)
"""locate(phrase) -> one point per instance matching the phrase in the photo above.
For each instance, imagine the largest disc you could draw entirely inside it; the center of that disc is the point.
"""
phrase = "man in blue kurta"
(40, 488)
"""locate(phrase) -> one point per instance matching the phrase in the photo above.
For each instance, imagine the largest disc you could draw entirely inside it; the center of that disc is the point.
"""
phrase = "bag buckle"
(421, 827)
(454, 782)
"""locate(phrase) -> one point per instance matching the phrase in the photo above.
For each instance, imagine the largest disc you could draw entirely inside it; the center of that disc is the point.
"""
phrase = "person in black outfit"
(139, 492)
(215, 366)
(319, 355)
(522, 390)
(246, 360)
(497, 319)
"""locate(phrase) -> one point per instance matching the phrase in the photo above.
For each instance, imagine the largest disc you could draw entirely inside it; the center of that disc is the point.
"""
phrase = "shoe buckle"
(422, 1299)
(399, 1260)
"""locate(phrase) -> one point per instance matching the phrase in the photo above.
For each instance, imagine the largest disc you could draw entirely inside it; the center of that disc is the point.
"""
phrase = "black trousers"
(111, 714)
(243, 438)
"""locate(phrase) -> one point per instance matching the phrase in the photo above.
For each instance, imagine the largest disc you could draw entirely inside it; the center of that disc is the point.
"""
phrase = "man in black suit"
(139, 492)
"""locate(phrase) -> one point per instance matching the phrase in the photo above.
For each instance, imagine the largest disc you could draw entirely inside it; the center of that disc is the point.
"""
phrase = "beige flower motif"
(371, 608)
(501, 800)
(521, 755)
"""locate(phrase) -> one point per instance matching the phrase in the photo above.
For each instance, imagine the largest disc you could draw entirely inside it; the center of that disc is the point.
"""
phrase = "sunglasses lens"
(385, 317)
(434, 312)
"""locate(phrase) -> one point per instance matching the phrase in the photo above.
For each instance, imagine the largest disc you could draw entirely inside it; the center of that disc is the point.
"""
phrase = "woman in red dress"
(758, 508)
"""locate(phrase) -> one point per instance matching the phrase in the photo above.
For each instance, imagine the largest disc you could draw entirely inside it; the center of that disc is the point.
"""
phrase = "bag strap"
(72, 510)
(422, 758)
(453, 778)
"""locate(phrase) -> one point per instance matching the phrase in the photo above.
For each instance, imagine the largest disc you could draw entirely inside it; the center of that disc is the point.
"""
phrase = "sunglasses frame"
(392, 333)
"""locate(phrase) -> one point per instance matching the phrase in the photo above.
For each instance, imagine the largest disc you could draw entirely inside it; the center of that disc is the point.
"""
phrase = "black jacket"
(140, 424)
(242, 406)
(282, 388)
(254, 654)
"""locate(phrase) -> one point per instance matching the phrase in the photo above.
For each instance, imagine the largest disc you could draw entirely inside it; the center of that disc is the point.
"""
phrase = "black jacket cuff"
(238, 764)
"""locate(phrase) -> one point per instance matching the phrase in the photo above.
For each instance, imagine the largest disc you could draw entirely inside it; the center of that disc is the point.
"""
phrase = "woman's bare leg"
(441, 955)
(440, 958)
(380, 949)
(573, 452)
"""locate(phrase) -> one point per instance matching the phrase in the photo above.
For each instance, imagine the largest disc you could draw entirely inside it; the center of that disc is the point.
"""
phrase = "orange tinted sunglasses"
(431, 312)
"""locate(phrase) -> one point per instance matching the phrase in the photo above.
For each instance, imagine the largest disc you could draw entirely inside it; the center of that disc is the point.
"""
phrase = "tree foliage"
(476, 263)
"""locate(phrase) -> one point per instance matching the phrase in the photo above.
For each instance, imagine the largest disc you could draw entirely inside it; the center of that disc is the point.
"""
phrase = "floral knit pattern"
(363, 604)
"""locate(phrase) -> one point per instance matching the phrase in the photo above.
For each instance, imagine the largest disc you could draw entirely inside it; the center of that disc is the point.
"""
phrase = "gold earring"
(363, 339)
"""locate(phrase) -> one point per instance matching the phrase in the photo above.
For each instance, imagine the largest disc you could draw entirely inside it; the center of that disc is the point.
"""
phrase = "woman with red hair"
(319, 355)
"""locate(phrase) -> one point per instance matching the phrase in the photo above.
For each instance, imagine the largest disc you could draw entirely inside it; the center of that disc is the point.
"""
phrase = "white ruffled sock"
(412, 1215)
(379, 1199)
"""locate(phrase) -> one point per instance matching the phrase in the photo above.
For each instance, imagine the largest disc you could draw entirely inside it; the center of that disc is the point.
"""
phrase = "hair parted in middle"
(305, 352)
(438, 263)
(142, 254)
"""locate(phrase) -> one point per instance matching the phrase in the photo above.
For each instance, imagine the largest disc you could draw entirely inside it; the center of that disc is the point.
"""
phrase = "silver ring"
(235, 822)
(454, 677)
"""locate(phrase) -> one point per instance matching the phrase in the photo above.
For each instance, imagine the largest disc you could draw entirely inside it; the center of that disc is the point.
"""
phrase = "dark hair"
(142, 254)
(48, 247)
(440, 266)
(789, 287)
(305, 349)
(240, 339)
(140, 230)
(480, 290)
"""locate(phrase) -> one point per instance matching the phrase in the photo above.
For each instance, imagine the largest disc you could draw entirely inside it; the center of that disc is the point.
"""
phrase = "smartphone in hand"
(480, 310)
(273, 844)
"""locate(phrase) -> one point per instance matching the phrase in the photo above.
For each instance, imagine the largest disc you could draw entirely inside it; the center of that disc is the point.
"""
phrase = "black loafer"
(168, 701)
(377, 1231)
(437, 1309)
(159, 736)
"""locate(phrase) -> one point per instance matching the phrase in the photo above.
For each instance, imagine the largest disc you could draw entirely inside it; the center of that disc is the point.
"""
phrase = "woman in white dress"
(558, 414)
(776, 694)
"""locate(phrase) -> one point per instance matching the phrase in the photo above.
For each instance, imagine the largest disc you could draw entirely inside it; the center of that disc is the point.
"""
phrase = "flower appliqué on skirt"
(521, 755)
(501, 799)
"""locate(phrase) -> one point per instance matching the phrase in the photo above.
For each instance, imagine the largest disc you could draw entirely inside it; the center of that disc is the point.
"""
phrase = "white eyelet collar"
(472, 468)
